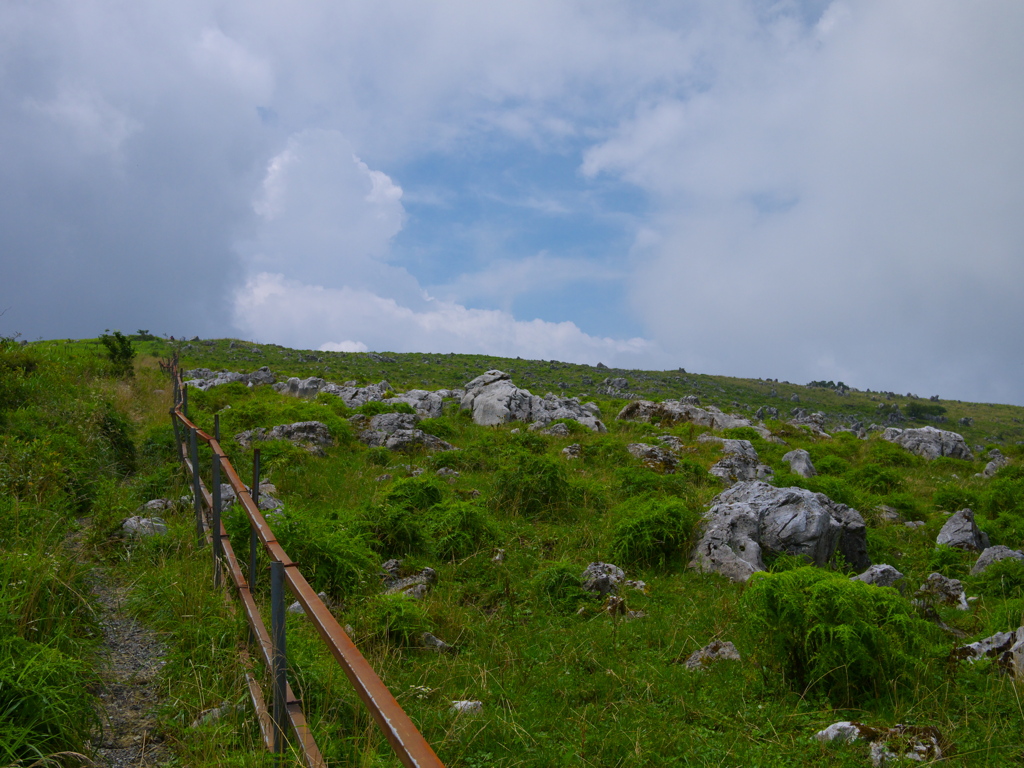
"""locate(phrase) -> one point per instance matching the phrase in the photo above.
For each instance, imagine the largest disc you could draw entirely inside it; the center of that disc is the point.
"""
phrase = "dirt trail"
(130, 661)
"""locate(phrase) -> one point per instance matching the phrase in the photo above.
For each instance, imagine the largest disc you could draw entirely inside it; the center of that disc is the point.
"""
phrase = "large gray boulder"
(603, 578)
(653, 457)
(800, 463)
(494, 399)
(314, 436)
(350, 394)
(961, 532)
(994, 555)
(398, 432)
(427, 404)
(929, 442)
(754, 516)
(740, 464)
(204, 378)
(880, 574)
(671, 412)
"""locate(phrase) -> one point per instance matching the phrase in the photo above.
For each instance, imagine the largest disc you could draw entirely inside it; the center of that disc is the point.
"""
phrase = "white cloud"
(343, 346)
(273, 308)
(95, 125)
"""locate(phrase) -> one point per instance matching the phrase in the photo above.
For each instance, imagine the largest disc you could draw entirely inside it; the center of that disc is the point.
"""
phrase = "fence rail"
(405, 739)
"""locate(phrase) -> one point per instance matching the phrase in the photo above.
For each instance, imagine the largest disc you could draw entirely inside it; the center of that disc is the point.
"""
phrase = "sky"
(793, 189)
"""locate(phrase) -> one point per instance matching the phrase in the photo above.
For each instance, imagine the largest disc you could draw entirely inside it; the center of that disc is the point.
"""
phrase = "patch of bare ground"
(130, 660)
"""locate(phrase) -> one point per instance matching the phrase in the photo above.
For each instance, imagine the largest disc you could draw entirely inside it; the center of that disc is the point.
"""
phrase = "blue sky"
(761, 188)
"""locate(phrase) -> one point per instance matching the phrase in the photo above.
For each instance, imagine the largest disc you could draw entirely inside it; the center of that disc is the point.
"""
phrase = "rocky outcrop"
(429, 405)
(653, 457)
(350, 394)
(314, 436)
(398, 432)
(602, 578)
(754, 516)
(993, 555)
(800, 463)
(942, 590)
(138, 527)
(996, 462)
(204, 378)
(671, 412)
(961, 532)
(887, 745)
(494, 399)
(929, 442)
(715, 651)
(880, 574)
(740, 464)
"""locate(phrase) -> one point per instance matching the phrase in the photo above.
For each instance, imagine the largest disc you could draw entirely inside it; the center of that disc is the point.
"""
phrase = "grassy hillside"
(564, 680)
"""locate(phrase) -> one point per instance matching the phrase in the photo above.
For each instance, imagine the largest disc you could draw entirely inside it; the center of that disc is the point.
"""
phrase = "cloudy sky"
(792, 189)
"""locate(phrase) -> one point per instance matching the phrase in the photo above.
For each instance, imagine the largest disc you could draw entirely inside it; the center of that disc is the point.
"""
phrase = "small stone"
(466, 707)
(714, 651)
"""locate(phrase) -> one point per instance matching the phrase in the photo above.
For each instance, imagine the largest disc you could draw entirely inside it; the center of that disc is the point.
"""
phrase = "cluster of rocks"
(753, 516)
(1005, 648)
(314, 436)
(203, 378)
(741, 462)
(686, 411)
(416, 585)
(398, 432)
(494, 399)
(930, 443)
(907, 742)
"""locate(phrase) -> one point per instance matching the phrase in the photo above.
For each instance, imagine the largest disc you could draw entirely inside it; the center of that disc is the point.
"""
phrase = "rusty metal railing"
(405, 739)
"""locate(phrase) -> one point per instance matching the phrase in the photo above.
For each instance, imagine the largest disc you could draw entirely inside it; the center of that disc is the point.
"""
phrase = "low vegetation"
(563, 679)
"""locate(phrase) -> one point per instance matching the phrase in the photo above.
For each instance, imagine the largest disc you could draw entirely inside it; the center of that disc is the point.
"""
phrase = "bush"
(120, 352)
(560, 586)
(876, 479)
(395, 530)
(652, 531)
(460, 528)
(824, 632)
(397, 618)
(532, 486)
(415, 494)
(1003, 579)
(891, 455)
(952, 497)
(742, 433)
(950, 562)
(831, 465)
(335, 558)
(377, 407)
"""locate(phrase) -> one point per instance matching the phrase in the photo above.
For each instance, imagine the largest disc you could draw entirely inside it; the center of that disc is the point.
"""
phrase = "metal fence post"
(177, 438)
(217, 543)
(196, 488)
(253, 539)
(277, 627)
(184, 401)
(216, 427)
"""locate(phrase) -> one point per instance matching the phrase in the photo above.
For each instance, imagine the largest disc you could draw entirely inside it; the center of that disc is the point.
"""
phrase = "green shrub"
(952, 497)
(442, 428)
(876, 479)
(460, 528)
(532, 486)
(395, 530)
(335, 557)
(120, 352)
(835, 488)
(742, 433)
(950, 562)
(892, 455)
(1003, 494)
(652, 532)
(377, 407)
(831, 465)
(379, 456)
(560, 586)
(415, 493)
(823, 632)
(1003, 579)
(397, 618)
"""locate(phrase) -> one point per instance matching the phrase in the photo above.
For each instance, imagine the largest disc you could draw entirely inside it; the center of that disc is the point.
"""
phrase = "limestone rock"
(466, 707)
(494, 399)
(741, 463)
(142, 527)
(311, 435)
(603, 578)
(996, 462)
(930, 442)
(800, 463)
(204, 378)
(398, 432)
(880, 574)
(653, 457)
(714, 651)
(671, 412)
(944, 591)
(753, 515)
(962, 532)
(574, 451)
(994, 554)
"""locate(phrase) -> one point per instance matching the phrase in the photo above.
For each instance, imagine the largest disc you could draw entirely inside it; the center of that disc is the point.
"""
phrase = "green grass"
(563, 681)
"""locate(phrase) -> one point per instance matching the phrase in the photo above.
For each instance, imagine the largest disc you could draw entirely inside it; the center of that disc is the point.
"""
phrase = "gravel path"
(130, 662)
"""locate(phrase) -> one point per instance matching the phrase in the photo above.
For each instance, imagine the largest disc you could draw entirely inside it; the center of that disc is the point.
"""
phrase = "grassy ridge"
(563, 681)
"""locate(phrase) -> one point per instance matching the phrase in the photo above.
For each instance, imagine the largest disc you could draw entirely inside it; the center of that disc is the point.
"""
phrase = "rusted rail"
(405, 739)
